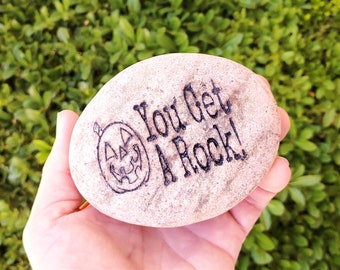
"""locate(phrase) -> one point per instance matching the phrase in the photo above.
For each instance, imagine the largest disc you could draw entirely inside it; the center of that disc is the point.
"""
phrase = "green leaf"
(328, 117)
(266, 219)
(306, 181)
(264, 241)
(81, 8)
(4, 116)
(307, 133)
(319, 196)
(59, 7)
(134, 6)
(17, 52)
(235, 41)
(261, 257)
(336, 157)
(42, 157)
(126, 28)
(298, 170)
(334, 245)
(286, 148)
(181, 39)
(18, 170)
(8, 72)
(66, 4)
(47, 98)
(85, 70)
(63, 34)
(288, 57)
(297, 196)
(318, 250)
(164, 41)
(329, 85)
(300, 241)
(28, 115)
(293, 128)
(174, 24)
(313, 210)
(276, 207)
(41, 145)
(306, 145)
(191, 49)
(176, 3)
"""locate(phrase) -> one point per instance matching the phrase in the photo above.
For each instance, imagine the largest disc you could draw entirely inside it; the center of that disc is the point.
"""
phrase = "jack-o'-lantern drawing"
(122, 157)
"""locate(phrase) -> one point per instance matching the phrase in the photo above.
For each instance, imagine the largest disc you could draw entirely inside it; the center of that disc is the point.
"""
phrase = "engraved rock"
(174, 140)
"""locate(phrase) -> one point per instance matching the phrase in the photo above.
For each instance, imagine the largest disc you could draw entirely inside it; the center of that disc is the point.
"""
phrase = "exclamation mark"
(238, 139)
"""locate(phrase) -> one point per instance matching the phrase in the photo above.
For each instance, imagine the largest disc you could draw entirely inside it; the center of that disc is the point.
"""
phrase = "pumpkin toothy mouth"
(122, 172)
(125, 173)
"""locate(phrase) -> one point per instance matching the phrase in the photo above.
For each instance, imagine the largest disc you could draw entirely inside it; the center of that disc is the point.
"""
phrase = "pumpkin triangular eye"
(109, 152)
(122, 152)
(125, 135)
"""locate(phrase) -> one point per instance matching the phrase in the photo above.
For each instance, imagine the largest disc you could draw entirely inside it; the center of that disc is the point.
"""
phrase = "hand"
(59, 236)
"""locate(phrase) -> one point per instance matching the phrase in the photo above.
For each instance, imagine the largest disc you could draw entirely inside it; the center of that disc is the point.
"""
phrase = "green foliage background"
(56, 55)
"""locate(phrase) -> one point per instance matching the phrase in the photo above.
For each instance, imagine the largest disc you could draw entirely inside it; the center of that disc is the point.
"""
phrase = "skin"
(60, 236)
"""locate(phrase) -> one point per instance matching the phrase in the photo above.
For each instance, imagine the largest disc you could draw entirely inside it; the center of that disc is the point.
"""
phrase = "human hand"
(60, 236)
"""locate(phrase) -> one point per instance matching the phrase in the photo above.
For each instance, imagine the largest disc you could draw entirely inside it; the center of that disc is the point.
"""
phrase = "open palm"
(60, 236)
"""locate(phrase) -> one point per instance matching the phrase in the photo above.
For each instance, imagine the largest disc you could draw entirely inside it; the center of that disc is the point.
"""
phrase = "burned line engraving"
(122, 156)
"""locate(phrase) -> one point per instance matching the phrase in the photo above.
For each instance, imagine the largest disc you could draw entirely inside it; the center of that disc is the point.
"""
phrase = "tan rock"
(174, 140)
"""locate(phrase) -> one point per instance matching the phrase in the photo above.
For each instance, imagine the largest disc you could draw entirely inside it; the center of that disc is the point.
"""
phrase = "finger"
(56, 187)
(265, 80)
(249, 210)
(285, 123)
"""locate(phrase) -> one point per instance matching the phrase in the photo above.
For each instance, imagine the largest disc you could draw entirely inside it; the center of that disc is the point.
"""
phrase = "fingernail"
(285, 161)
(59, 124)
(265, 80)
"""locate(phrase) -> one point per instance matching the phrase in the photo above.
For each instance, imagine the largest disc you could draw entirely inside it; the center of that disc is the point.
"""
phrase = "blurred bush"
(56, 55)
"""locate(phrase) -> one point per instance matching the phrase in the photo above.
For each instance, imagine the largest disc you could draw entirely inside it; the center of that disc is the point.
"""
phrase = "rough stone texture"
(174, 140)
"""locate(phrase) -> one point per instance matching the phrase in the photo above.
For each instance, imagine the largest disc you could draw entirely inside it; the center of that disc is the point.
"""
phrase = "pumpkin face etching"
(122, 157)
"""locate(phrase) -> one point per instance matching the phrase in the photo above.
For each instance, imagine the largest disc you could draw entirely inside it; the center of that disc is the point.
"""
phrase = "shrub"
(56, 55)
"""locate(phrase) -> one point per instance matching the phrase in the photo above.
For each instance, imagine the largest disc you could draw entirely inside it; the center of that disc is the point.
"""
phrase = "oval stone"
(174, 140)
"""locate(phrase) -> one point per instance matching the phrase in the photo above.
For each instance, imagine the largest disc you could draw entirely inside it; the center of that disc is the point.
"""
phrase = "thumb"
(57, 194)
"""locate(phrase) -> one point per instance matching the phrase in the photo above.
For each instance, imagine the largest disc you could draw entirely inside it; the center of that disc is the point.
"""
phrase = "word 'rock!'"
(174, 140)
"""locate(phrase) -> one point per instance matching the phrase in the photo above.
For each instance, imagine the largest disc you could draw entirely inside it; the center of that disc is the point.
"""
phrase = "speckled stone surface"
(175, 139)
